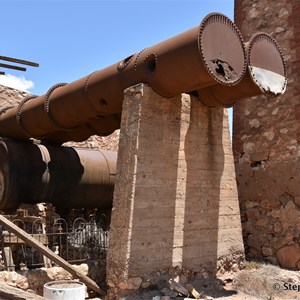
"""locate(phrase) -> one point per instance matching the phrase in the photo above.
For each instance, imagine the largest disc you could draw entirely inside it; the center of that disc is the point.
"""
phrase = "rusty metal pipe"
(210, 53)
(32, 173)
(101, 126)
(266, 75)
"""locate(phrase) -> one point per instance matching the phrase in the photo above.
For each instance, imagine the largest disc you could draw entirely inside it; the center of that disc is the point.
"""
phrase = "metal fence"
(76, 242)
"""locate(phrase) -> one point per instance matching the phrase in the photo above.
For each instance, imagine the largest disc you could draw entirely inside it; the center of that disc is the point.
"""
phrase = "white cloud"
(19, 83)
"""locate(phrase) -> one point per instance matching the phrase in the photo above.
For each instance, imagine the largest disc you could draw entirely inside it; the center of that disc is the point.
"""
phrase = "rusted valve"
(209, 54)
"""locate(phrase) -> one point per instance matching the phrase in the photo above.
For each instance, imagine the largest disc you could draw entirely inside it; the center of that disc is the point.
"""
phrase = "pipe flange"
(19, 113)
(274, 52)
(85, 90)
(209, 58)
(122, 65)
(3, 110)
(137, 58)
(151, 59)
(47, 106)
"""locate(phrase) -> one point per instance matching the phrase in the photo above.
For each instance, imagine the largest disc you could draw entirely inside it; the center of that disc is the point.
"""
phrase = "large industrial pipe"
(210, 53)
(266, 75)
(32, 173)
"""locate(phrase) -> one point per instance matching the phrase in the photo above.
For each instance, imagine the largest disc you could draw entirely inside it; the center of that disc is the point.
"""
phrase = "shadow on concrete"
(205, 164)
(155, 191)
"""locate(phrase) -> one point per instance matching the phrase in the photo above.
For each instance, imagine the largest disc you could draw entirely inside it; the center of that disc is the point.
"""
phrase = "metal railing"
(76, 242)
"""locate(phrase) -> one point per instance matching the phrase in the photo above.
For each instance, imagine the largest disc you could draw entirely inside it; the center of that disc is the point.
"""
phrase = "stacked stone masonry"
(175, 210)
(266, 137)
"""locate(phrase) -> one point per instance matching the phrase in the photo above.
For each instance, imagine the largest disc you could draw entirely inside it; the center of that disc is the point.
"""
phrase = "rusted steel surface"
(102, 126)
(31, 173)
(209, 54)
(15, 60)
(266, 74)
(12, 67)
(19, 61)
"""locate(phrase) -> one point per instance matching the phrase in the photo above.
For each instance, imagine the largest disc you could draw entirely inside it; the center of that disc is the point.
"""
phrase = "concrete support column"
(175, 210)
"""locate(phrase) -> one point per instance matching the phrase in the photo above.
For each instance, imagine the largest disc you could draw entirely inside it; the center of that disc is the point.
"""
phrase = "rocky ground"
(259, 281)
(267, 282)
(256, 281)
(110, 143)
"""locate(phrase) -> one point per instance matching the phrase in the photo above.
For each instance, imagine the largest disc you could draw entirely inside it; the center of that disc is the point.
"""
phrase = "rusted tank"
(209, 54)
(32, 173)
(266, 74)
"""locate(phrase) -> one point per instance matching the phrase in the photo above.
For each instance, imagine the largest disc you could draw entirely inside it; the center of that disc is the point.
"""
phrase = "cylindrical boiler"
(65, 176)
(209, 54)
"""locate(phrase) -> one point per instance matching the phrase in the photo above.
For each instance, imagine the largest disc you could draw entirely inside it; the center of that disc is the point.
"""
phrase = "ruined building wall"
(266, 138)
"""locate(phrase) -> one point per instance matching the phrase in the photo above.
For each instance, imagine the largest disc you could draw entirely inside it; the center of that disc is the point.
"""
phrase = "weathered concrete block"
(175, 201)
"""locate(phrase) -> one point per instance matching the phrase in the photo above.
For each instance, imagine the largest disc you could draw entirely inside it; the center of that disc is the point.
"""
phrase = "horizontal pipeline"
(265, 75)
(209, 54)
(33, 173)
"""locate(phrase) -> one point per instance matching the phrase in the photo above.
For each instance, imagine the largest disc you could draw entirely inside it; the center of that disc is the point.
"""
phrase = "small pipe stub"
(266, 75)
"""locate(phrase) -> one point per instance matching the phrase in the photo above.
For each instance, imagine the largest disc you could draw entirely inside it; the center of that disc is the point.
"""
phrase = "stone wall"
(33, 280)
(266, 136)
(175, 210)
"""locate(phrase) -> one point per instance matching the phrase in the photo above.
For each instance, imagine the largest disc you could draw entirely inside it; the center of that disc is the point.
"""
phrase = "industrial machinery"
(210, 61)
(266, 74)
(32, 173)
(209, 54)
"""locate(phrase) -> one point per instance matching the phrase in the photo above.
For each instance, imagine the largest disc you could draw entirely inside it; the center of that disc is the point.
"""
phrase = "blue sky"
(72, 38)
